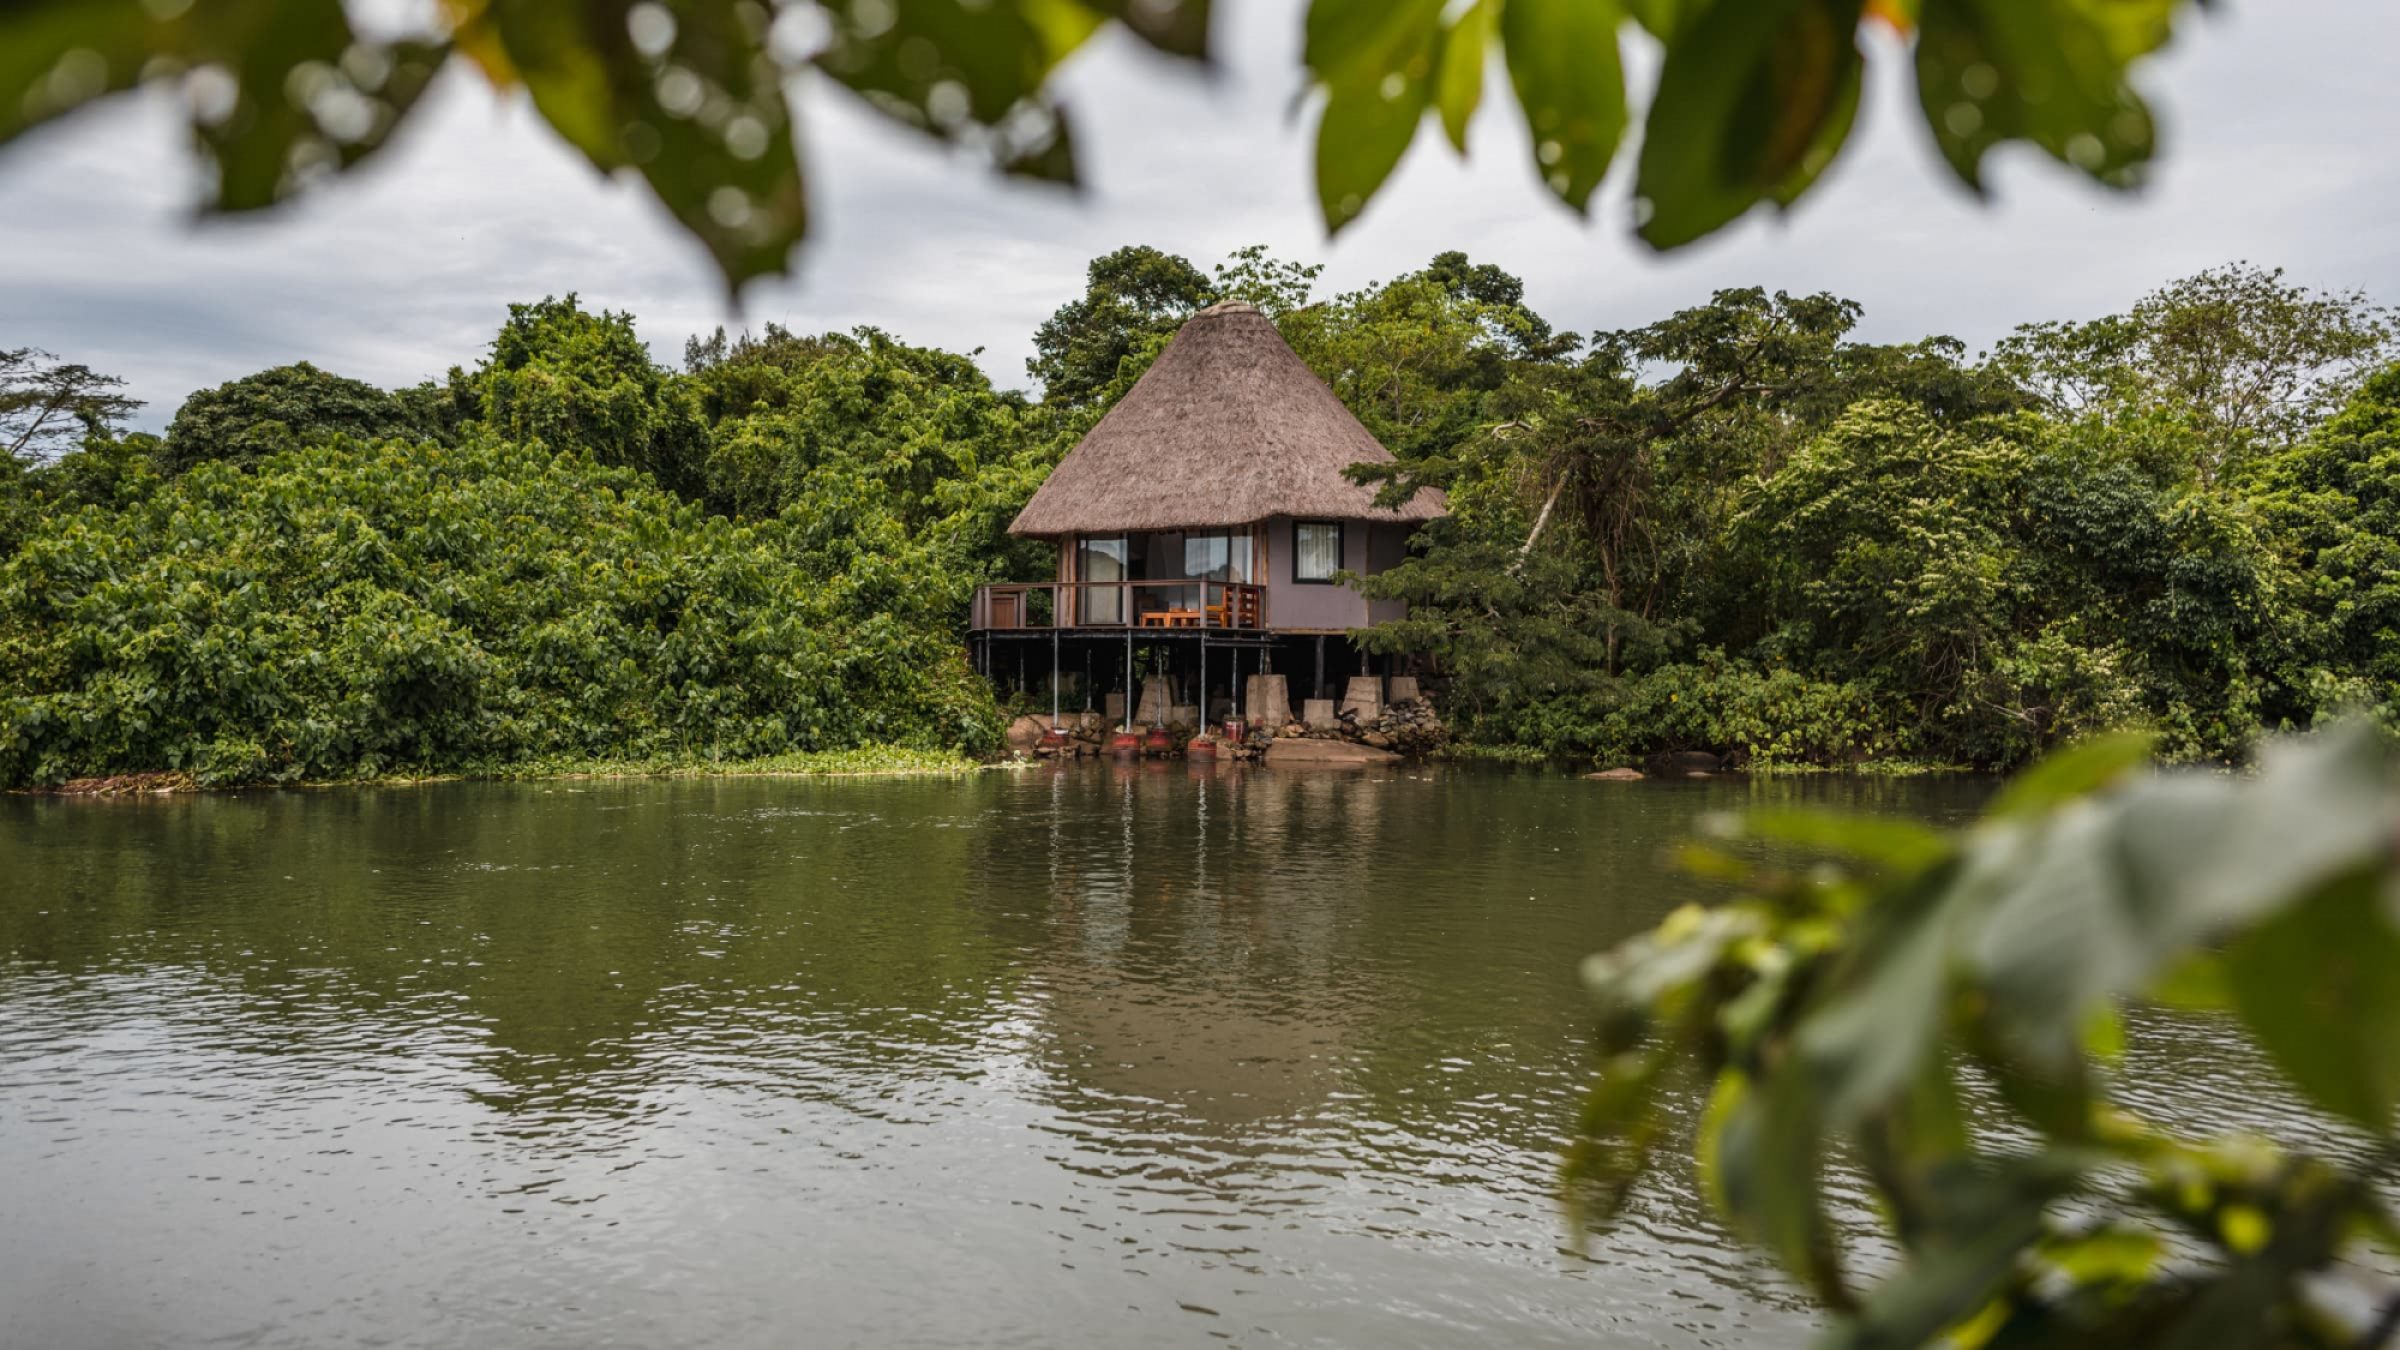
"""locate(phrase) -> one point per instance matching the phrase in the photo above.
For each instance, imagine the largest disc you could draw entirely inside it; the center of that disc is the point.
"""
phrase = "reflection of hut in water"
(1214, 1056)
(1198, 939)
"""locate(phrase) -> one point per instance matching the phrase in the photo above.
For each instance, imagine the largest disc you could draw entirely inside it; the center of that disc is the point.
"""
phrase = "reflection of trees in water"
(1215, 1004)
(1250, 983)
(598, 942)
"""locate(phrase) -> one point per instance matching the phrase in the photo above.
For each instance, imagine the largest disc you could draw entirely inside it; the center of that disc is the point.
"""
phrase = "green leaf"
(2052, 72)
(2110, 1256)
(1766, 1160)
(1614, 1135)
(2056, 1096)
(288, 91)
(1989, 1215)
(1901, 845)
(2075, 772)
(704, 121)
(1366, 128)
(965, 71)
(1458, 84)
(2319, 986)
(1653, 968)
(1828, 146)
(1361, 41)
(1569, 76)
(1658, 17)
(2193, 983)
(2093, 904)
(1755, 100)
(1870, 1040)
(1178, 27)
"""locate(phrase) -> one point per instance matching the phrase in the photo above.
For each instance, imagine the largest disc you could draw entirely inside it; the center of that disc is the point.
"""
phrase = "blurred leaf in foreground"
(1845, 1007)
(1755, 100)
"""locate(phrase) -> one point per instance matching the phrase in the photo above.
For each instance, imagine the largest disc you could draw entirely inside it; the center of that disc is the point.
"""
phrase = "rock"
(1617, 776)
(1379, 740)
(1685, 764)
(1026, 732)
(1291, 729)
(1310, 751)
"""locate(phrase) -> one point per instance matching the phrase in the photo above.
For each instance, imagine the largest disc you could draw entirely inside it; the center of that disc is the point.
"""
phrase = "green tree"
(246, 420)
(585, 383)
(1885, 554)
(793, 420)
(1274, 286)
(1133, 301)
(48, 407)
(2331, 504)
(2237, 358)
(1417, 357)
(1592, 498)
(360, 609)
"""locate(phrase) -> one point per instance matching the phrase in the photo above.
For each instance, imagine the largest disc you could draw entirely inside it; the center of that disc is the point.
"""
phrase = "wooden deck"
(1163, 607)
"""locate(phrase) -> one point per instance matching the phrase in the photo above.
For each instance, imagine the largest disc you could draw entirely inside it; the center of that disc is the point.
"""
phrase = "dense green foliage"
(1737, 529)
(1753, 101)
(348, 610)
(1944, 1013)
(280, 409)
(568, 554)
(1886, 551)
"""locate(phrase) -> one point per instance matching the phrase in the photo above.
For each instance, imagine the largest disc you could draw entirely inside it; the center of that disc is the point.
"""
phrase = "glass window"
(1316, 549)
(1101, 560)
(1217, 557)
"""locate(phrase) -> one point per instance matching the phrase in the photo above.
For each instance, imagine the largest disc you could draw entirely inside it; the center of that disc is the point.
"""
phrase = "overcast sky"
(2279, 132)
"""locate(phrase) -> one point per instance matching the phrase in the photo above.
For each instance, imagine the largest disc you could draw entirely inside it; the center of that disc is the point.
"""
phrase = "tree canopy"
(48, 407)
(279, 409)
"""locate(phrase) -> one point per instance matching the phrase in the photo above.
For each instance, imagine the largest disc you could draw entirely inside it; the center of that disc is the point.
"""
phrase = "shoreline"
(876, 762)
(872, 762)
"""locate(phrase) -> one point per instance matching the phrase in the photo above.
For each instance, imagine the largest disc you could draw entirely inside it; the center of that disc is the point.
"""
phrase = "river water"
(1086, 1056)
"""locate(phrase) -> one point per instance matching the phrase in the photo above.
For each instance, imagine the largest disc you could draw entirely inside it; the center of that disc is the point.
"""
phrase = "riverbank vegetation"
(1740, 528)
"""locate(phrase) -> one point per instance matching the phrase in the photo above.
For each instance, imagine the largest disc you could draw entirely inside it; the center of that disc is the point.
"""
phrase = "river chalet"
(1205, 532)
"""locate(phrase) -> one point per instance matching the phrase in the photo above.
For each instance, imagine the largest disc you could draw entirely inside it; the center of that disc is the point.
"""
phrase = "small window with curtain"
(1316, 550)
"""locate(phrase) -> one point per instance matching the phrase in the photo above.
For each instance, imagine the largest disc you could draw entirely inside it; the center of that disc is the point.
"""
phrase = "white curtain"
(1316, 551)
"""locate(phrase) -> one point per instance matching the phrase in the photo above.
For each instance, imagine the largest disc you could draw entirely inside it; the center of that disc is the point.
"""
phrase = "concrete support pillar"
(1364, 698)
(1268, 700)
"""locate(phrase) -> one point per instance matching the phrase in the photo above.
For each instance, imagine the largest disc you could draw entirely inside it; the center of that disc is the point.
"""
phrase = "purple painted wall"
(1367, 548)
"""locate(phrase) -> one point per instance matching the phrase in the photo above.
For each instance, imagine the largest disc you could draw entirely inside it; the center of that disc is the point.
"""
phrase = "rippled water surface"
(1085, 1057)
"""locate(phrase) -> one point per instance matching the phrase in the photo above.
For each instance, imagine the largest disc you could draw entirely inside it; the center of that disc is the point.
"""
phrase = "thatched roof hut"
(1228, 427)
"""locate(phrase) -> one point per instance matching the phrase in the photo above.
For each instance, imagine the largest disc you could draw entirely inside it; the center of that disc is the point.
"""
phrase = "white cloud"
(2277, 125)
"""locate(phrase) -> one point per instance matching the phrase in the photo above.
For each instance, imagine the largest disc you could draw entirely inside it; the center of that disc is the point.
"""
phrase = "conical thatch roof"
(1229, 426)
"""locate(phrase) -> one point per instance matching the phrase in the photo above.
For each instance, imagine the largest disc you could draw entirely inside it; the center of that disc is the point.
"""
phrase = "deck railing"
(1157, 605)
